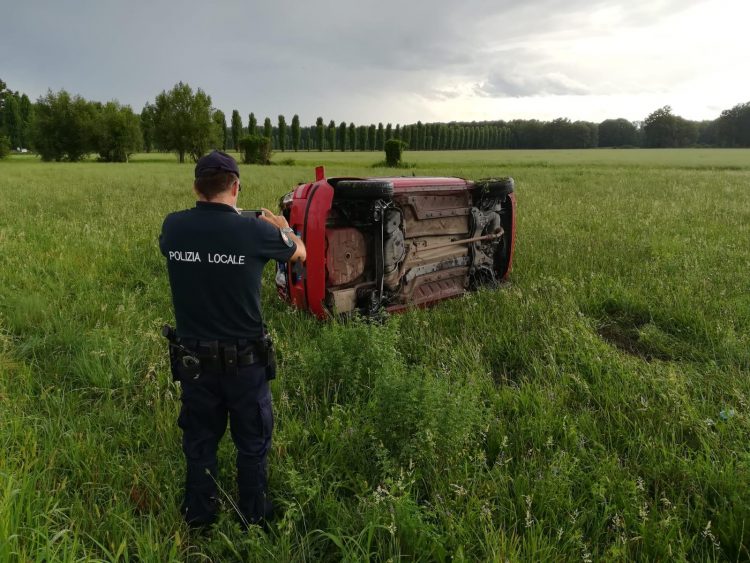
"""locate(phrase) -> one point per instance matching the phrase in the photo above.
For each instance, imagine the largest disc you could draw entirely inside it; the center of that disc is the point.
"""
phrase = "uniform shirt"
(215, 259)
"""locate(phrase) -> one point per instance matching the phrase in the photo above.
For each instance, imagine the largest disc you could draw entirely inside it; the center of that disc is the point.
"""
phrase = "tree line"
(61, 126)
(661, 129)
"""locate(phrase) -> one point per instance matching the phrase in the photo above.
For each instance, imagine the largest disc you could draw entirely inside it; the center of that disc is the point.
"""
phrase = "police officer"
(219, 351)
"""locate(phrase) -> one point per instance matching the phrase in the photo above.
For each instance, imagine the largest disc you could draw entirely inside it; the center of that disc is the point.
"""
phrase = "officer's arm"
(300, 252)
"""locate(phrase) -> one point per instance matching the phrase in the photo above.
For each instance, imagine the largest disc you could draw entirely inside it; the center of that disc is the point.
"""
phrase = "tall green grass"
(595, 408)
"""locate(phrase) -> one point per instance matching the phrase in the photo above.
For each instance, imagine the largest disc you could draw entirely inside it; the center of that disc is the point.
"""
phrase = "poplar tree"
(419, 144)
(296, 135)
(236, 129)
(267, 128)
(352, 137)
(282, 133)
(319, 132)
(371, 133)
(252, 125)
(342, 136)
(406, 134)
(331, 134)
(380, 138)
(388, 132)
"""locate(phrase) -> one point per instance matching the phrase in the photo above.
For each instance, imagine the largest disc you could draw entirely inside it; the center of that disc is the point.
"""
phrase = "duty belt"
(226, 355)
(200, 356)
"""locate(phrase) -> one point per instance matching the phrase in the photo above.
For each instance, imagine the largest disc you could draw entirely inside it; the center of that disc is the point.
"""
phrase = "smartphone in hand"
(251, 212)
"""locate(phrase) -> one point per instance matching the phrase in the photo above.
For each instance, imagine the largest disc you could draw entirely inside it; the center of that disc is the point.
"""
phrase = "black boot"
(201, 501)
(255, 505)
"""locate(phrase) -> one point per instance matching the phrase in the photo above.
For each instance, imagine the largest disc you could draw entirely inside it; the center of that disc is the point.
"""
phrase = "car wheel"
(495, 187)
(363, 189)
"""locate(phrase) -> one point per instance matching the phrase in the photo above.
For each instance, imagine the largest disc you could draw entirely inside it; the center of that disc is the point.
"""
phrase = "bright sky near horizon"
(390, 60)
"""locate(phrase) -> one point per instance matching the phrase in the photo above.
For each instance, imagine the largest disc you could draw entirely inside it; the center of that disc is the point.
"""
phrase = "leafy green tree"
(342, 138)
(183, 121)
(352, 137)
(267, 128)
(319, 133)
(527, 134)
(659, 128)
(331, 135)
(252, 125)
(617, 133)
(117, 133)
(4, 92)
(27, 117)
(388, 132)
(296, 134)
(16, 112)
(220, 121)
(663, 129)
(63, 126)
(4, 146)
(148, 126)
(236, 129)
(708, 133)
(733, 126)
(13, 124)
(282, 133)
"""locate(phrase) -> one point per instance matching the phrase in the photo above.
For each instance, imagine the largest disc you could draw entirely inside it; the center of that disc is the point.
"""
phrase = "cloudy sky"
(390, 60)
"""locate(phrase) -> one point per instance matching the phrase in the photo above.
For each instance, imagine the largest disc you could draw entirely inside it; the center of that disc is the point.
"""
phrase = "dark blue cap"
(215, 161)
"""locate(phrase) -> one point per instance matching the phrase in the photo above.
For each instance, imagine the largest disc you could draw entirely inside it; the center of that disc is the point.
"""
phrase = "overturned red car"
(377, 244)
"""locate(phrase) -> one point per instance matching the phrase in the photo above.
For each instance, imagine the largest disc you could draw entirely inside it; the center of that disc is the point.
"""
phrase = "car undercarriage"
(390, 243)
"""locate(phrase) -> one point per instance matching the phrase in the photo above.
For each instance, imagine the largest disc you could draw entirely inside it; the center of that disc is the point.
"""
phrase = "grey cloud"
(519, 86)
(291, 56)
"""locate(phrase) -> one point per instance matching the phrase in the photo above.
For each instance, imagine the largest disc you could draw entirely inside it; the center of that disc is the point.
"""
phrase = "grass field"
(595, 408)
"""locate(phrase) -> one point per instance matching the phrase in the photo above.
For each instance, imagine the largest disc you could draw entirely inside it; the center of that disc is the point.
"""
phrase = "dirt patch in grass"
(627, 339)
(633, 331)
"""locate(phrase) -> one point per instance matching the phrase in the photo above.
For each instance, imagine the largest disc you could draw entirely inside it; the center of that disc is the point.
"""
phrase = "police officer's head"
(217, 177)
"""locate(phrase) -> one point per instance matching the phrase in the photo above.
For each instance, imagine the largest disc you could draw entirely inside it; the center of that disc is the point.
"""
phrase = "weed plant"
(596, 408)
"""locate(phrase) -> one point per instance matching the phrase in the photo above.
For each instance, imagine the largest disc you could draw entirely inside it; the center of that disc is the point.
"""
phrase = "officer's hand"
(276, 220)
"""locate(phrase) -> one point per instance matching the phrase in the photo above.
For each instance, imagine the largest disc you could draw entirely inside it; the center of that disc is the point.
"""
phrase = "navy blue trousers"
(207, 403)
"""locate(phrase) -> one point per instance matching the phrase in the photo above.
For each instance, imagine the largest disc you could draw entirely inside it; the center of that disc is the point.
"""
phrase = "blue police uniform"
(215, 259)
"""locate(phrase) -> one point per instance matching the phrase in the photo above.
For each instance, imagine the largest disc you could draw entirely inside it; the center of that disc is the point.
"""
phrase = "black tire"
(363, 189)
(495, 187)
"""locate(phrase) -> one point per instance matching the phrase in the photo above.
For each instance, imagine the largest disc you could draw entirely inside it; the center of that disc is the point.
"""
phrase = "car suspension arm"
(493, 236)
